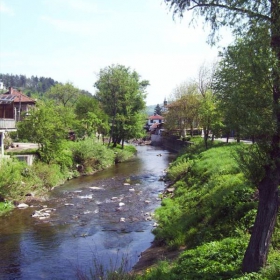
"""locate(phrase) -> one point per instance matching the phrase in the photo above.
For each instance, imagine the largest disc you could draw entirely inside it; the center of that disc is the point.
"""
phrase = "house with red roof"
(154, 122)
(12, 104)
(21, 102)
(155, 119)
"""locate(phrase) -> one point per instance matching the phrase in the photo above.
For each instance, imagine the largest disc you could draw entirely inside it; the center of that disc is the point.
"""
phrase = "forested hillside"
(30, 85)
(34, 83)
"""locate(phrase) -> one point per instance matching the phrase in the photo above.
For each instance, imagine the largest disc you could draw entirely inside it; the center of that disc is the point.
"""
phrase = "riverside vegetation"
(210, 214)
(20, 182)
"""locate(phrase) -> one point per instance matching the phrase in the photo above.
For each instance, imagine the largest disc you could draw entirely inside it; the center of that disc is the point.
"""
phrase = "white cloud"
(6, 9)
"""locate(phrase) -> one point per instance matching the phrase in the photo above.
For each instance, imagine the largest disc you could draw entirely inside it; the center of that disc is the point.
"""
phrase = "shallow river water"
(102, 219)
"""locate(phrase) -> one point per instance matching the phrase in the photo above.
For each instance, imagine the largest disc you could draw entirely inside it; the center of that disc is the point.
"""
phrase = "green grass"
(5, 207)
(211, 213)
(211, 197)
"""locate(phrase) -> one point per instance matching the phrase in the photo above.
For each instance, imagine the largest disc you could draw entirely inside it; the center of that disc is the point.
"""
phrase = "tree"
(65, 94)
(45, 126)
(242, 84)
(208, 113)
(158, 110)
(122, 96)
(91, 116)
(183, 113)
(209, 116)
(243, 16)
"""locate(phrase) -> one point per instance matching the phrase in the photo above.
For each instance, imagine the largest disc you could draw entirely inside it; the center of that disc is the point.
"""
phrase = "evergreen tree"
(158, 110)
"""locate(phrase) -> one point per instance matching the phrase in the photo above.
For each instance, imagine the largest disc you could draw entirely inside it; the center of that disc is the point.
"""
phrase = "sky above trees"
(71, 40)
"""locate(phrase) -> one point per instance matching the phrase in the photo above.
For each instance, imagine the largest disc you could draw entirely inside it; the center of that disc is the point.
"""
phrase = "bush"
(49, 175)
(5, 207)
(214, 260)
(179, 168)
(92, 155)
(7, 141)
(12, 183)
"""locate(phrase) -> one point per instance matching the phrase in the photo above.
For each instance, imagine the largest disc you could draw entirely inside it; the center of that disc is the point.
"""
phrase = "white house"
(155, 119)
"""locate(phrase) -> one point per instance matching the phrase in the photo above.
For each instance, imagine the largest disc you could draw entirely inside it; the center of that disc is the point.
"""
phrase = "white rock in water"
(88, 196)
(43, 218)
(121, 204)
(41, 215)
(126, 184)
(22, 205)
(96, 188)
(132, 190)
(122, 219)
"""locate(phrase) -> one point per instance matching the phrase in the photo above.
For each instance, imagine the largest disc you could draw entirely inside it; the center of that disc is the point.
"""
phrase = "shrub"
(179, 168)
(5, 207)
(214, 260)
(12, 184)
(49, 175)
(92, 154)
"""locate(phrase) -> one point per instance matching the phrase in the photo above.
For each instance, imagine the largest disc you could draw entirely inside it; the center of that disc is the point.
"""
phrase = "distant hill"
(150, 109)
(30, 85)
(34, 83)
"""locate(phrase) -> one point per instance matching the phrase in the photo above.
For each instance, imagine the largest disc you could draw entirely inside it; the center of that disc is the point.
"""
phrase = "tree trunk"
(206, 134)
(257, 251)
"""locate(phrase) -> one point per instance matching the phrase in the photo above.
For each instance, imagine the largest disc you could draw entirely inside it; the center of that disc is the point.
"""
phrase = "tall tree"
(91, 116)
(208, 115)
(122, 95)
(242, 16)
(183, 113)
(243, 87)
(65, 94)
(158, 110)
(45, 126)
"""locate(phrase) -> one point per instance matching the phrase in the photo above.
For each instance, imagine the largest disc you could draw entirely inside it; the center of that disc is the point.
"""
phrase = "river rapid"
(99, 220)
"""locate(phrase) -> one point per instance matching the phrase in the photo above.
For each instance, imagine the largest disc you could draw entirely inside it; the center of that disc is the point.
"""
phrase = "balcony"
(7, 124)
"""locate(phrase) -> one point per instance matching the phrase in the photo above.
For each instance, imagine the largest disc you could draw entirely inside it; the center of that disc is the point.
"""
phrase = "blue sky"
(71, 40)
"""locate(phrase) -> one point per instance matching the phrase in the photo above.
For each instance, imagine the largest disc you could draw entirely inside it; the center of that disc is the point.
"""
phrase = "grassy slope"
(211, 213)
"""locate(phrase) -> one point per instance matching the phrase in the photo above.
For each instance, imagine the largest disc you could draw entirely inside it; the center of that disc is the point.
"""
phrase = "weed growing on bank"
(6, 206)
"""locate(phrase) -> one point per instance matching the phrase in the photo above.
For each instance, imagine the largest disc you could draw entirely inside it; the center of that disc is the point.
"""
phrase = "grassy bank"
(211, 213)
(20, 182)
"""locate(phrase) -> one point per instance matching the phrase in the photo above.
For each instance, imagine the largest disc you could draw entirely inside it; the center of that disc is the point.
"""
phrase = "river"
(99, 220)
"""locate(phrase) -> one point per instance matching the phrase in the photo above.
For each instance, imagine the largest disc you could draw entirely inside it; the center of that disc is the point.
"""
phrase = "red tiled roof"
(20, 97)
(156, 117)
